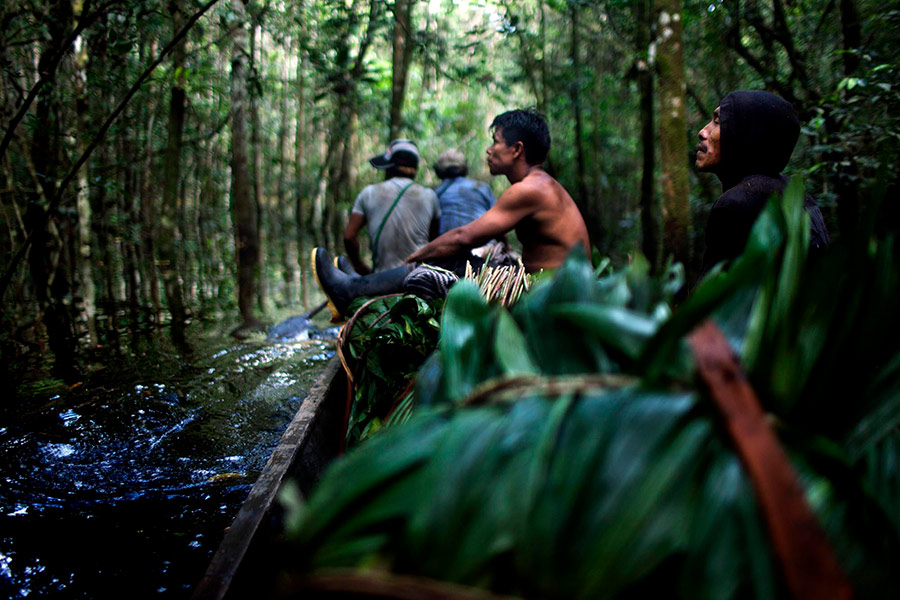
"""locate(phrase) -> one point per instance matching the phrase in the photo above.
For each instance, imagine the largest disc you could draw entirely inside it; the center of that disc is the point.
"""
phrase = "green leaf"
(615, 327)
(467, 322)
(510, 347)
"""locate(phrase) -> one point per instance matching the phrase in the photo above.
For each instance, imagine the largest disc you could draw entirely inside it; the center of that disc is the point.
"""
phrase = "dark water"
(123, 486)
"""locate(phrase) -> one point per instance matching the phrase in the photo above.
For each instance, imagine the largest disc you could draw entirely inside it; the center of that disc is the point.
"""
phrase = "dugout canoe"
(239, 567)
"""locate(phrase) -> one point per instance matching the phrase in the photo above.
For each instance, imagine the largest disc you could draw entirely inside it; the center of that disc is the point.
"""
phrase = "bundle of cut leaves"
(382, 347)
(388, 339)
(565, 449)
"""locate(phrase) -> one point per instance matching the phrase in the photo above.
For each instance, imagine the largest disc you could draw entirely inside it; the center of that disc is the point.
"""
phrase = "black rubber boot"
(343, 263)
(341, 289)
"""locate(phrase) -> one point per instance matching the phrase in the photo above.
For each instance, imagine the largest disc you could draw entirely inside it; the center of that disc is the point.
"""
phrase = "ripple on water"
(155, 460)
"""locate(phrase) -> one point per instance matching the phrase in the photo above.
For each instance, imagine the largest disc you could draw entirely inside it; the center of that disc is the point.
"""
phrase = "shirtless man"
(543, 214)
(546, 220)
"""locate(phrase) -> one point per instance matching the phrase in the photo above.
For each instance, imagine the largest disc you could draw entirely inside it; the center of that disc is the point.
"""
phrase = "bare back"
(552, 223)
(543, 215)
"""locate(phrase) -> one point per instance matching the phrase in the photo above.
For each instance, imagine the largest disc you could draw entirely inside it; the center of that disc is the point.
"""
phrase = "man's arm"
(513, 206)
(351, 242)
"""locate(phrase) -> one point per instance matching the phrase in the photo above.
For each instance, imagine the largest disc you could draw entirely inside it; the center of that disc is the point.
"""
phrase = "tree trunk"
(244, 213)
(287, 249)
(429, 72)
(257, 172)
(402, 45)
(301, 203)
(584, 200)
(851, 36)
(83, 199)
(673, 155)
(345, 125)
(47, 265)
(335, 181)
(148, 221)
(129, 233)
(167, 231)
(847, 187)
(649, 206)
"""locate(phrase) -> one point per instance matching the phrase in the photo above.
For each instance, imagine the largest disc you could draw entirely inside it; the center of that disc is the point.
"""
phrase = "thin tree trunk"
(345, 121)
(402, 45)
(167, 234)
(335, 181)
(649, 206)
(847, 187)
(129, 234)
(47, 267)
(673, 154)
(83, 200)
(99, 193)
(584, 199)
(148, 221)
(257, 174)
(287, 249)
(542, 97)
(851, 36)
(429, 72)
(244, 213)
(301, 204)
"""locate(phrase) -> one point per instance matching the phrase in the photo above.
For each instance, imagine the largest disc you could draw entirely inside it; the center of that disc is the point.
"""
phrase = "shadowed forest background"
(164, 162)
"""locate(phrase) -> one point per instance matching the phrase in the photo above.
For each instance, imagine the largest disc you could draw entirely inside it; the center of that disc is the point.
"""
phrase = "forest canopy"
(167, 161)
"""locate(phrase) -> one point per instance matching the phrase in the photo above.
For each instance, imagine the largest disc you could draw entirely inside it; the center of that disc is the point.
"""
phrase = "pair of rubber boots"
(342, 285)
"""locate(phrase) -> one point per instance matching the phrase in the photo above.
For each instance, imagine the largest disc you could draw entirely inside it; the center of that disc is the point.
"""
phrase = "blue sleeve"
(487, 194)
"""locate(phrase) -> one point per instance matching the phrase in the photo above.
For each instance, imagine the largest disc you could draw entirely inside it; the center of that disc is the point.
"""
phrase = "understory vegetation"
(567, 447)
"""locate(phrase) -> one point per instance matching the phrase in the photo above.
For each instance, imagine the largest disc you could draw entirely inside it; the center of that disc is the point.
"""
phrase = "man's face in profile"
(709, 150)
(500, 156)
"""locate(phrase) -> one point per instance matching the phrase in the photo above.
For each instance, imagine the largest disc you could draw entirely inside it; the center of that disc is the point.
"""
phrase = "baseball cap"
(399, 152)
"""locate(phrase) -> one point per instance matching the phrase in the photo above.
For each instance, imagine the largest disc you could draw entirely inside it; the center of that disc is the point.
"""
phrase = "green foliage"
(471, 60)
(584, 483)
(387, 344)
(480, 342)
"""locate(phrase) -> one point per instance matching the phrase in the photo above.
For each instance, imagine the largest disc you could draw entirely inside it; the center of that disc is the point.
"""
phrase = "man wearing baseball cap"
(401, 215)
(546, 220)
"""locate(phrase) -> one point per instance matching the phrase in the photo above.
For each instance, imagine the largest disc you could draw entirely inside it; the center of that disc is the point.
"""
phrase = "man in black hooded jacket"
(747, 144)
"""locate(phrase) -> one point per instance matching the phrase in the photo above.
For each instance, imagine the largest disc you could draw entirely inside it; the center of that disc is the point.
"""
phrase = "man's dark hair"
(452, 171)
(400, 171)
(527, 126)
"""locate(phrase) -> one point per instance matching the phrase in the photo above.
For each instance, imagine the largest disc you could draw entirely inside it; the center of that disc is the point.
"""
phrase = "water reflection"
(124, 486)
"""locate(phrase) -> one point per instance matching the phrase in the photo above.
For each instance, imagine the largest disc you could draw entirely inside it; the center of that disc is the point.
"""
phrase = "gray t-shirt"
(406, 229)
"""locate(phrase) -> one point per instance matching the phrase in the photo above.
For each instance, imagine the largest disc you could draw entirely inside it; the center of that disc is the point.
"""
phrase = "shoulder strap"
(439, 191)
(386, 217)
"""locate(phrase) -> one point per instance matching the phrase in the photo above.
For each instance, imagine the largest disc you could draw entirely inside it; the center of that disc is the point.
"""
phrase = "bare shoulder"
(538, 188)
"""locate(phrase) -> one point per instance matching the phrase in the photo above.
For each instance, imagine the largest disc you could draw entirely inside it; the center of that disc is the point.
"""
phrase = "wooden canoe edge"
(304, 450)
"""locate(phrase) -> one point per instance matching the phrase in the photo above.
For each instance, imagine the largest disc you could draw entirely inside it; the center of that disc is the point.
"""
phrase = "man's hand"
(420, 255)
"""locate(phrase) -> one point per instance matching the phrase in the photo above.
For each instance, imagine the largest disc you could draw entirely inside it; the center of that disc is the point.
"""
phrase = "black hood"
(758, 132)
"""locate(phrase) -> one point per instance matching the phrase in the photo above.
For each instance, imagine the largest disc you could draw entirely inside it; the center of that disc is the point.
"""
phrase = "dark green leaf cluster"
(545, 332)
(541, 470)
(387, 345)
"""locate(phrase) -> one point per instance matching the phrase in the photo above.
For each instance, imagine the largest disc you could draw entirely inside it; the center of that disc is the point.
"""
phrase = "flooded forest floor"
(124, 483)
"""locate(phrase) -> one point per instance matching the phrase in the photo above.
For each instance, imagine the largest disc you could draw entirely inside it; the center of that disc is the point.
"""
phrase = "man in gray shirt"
(402, 216)
(546, 220)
